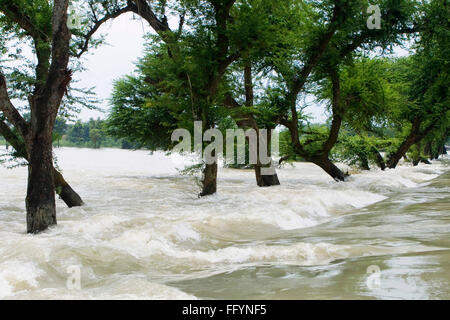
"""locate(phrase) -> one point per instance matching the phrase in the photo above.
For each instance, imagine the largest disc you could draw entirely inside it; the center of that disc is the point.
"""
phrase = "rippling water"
(145, 235)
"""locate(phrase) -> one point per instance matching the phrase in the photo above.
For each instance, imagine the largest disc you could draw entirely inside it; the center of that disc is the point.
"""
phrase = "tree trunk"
(364, 163)
(379, 159)
(441, 150)
(394, 159)
(416, 156)
(427, 150)
(322, 159)
(209, 182)
(415, 136)
(40, 201)
(330, 168)
(265, 176)
(266, 180)
(65, 191)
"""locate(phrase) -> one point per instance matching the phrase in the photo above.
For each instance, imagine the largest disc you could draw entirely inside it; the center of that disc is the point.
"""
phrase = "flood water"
(144, 234)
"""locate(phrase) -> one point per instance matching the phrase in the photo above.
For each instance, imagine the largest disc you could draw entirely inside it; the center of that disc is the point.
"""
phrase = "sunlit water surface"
(144, 234)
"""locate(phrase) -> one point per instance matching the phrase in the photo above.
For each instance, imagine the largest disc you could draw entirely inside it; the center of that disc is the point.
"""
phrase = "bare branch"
(98, 23)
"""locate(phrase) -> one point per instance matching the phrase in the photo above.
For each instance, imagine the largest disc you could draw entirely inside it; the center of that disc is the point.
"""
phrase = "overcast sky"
(125, 44)
(125, 38)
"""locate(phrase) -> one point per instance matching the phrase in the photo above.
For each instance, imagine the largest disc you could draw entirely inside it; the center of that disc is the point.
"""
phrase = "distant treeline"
(91, 134)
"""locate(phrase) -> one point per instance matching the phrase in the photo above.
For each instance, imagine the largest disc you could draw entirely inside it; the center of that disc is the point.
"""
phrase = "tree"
(44, 105)
(334, 40)
(426, 78)
(185, 70)
(43, 24)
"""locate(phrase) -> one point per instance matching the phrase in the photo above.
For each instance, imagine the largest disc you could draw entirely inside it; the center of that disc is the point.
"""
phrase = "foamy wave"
(125, 288)
(18, 276)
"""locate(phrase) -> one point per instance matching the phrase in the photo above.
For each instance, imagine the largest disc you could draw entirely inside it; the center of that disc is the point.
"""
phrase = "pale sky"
(125, 39)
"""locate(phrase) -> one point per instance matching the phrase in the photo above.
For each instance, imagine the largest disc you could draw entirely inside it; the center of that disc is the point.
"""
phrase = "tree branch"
(13, 140)
(143, 9)
(337, 113)
(98, 23)
(10, 112)
(59, 76)
(11, 11)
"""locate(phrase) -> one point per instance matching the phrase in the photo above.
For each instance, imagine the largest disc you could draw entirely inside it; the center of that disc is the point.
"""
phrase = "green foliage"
(92, 134)
(137, 117)
(358, 150)
(26, 26)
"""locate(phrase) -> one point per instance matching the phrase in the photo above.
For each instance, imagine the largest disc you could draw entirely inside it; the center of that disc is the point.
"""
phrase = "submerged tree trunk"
(65, 191)
(45, 102)
(415, 136)
(269, 178)
(364, 163)
(40, 201)
(329, 167)
(209, 182)
(395, 158)
(427, 150)
(379, 159)
(323, 159)
(266, 175)
(62, 188)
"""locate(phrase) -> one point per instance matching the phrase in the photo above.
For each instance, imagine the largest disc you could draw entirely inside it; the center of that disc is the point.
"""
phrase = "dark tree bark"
(65, 191)
(247, 121)
(379, 159)
(428, 150)
(266, 176)
(364, 163)
(209, 182)
(417, 157)
(62, 188)
(266, 180)
(323, 160)
(329, 167)
(52, 49)
(415, 136)
(394, 159)
(436, 155)
(40, 201)
(318, 50)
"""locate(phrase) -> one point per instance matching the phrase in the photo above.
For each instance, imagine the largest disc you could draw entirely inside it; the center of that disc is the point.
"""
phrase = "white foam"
(143, 220)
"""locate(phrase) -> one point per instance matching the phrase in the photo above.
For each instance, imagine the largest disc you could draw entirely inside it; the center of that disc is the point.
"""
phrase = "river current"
(144, 233)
